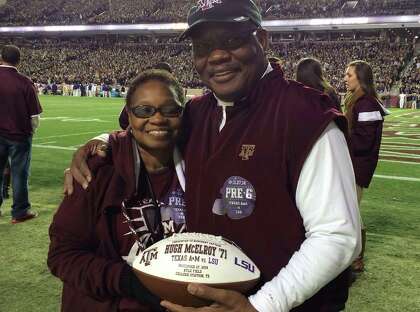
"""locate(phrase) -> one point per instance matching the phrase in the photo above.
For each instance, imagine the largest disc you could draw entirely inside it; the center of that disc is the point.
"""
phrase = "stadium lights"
(345, 21)
(376, 22)
(77, 28)
(339, 21)
(83, 28)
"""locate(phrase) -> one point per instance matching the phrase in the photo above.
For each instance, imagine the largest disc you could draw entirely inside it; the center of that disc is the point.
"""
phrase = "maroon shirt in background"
(266, 139)
(18, 102)
(365, 140)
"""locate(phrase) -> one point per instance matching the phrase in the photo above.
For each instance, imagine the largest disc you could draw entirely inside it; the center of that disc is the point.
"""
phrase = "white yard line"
(390, 138)
(385, 147)
(395, 115)
(405, 155)
(70, 148)
(67, 135)
(396, 178)
(400, 161)
(388, 143)
(407, 132)
(77, 146)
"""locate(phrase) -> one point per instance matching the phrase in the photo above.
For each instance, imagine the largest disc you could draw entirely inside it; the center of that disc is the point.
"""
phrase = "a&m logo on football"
(148, 255)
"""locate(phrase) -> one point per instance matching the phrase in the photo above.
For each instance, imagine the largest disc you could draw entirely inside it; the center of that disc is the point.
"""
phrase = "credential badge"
(238, 198)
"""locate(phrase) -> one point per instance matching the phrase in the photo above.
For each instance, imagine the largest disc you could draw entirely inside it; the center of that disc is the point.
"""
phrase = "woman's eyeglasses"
(147, 111)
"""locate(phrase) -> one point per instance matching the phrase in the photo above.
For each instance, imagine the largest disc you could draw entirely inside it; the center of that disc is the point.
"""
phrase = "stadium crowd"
(64, 12)
(101, 61)
(411, 79)
(410, 86)
(114, 61)
(285, 9)
(377, 53)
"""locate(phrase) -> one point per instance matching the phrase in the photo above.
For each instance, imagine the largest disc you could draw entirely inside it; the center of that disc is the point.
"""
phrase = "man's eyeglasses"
(147, 111)
(227, 42)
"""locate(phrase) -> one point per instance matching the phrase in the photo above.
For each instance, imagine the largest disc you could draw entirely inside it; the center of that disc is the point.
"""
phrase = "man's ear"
(262, 37)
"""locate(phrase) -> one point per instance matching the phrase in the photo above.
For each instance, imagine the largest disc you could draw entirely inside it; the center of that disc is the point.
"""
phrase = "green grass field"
(390, 209)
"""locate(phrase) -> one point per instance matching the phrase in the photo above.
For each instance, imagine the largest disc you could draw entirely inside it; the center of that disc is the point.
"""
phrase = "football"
(168, 266)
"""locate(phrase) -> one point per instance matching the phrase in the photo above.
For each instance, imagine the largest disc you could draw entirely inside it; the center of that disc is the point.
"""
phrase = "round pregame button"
(238, 196)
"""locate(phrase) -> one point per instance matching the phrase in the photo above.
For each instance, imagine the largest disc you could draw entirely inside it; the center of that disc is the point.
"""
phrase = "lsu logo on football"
(245, 265)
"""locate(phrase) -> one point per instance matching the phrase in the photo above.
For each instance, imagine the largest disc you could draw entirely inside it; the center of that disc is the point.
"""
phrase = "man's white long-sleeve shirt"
(327, 201)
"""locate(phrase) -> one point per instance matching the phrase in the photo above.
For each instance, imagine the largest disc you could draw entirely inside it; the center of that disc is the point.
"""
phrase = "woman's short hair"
(157, 75)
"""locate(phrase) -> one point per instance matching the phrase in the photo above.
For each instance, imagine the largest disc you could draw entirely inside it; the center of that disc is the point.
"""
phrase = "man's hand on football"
(224, 300)
(79, 169)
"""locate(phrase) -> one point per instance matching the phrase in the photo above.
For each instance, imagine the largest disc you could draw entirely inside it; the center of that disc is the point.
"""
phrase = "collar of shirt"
(225, 104)
(8, 66)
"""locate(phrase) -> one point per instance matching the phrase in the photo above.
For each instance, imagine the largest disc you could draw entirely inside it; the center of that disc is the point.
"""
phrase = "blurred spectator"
(309, 72)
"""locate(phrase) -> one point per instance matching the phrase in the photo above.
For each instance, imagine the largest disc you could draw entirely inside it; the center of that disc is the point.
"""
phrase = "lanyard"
(152, 217)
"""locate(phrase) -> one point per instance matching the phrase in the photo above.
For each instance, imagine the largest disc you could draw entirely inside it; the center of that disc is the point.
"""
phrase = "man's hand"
(224, 300)
(79, 169)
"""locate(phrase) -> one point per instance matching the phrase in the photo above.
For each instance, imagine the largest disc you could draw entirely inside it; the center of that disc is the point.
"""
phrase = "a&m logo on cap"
(207, 4)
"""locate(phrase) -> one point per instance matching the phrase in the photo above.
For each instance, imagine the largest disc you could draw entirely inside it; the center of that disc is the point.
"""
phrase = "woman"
(365, 116)
(134, 200)
(309, 72)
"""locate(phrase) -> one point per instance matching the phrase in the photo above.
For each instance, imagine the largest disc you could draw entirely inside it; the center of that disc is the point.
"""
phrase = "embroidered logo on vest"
(207, 4)
(247, 151)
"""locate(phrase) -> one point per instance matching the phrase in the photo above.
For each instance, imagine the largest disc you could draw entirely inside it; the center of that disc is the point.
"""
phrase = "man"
(19, 118)
(264, 156)
(6, 180)
(6, 175)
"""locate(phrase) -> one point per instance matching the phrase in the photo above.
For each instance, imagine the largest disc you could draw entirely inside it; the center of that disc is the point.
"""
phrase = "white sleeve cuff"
(35, 122)
(104, 137)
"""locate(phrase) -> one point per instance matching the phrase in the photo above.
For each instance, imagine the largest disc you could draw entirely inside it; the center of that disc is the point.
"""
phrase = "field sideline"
(390, 209)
